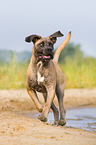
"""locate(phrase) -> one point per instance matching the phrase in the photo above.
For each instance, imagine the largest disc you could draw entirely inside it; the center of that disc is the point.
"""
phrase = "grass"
(13, 75)
(83, 76)
(78, 74)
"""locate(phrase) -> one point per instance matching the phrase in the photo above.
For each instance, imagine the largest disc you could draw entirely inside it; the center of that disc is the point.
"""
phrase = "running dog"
(45, 76)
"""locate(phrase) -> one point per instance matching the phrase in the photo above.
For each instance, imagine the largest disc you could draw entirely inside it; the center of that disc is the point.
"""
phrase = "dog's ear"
(32, 38)
(54, 36)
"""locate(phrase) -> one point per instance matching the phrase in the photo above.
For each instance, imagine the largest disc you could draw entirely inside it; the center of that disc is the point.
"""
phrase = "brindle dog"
(45, 76)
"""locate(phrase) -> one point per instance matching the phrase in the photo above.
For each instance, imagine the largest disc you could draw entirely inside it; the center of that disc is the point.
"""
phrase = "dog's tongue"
(46, 56)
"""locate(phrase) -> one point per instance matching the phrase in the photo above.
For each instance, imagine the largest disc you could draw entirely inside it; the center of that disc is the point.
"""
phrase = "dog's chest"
(40, 78)
(37, 82)
(40, 74)
(35, 85)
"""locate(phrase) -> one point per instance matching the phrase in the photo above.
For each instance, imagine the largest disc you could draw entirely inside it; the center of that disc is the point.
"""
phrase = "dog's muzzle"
(46, 55)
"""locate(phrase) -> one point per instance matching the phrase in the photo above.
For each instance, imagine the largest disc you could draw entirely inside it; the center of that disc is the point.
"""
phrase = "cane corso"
(45, 76)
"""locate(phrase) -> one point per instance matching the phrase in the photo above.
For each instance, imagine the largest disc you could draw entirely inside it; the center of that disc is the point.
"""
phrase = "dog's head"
(43, 47)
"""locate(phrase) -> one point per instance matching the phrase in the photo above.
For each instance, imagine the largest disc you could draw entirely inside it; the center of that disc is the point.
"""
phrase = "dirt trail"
(16, 128)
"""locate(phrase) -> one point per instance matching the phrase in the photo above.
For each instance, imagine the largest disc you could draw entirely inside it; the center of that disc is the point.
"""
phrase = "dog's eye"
(42, 44)
(50, 44)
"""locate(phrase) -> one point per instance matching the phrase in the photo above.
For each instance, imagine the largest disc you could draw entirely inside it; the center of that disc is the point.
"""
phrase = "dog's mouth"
(45, 57)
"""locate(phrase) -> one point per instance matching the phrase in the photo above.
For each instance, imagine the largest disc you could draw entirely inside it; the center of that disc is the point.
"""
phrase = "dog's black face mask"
(44, 50)
(43, 47)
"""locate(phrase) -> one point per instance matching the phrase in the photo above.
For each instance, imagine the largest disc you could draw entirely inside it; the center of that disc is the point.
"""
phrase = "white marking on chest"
(39, 78)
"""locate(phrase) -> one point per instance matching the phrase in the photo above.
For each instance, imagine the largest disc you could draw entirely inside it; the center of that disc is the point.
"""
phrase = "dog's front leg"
(50, 96)
(34, 97)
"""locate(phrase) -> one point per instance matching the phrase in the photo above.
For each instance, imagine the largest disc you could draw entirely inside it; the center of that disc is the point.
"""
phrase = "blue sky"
(21, 18)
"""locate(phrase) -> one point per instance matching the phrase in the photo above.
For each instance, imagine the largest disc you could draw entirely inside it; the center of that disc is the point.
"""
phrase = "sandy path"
(16, 128)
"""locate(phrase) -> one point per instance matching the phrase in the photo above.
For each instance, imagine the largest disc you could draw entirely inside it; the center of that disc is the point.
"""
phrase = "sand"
(17, 128)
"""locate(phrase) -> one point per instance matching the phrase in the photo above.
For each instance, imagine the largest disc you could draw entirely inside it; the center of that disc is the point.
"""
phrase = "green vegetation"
(13, 74)
(79, 70)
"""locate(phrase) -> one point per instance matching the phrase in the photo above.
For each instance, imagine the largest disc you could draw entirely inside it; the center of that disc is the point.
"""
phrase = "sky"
(22, 18)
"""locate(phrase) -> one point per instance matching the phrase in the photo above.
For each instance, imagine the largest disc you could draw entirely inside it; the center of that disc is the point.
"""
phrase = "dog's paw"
(40, 109)
(42, 118)
(56, 123)
(62, 122)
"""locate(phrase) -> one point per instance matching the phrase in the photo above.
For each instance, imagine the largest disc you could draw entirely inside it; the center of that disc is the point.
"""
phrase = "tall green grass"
(13, 75)
(79, 74)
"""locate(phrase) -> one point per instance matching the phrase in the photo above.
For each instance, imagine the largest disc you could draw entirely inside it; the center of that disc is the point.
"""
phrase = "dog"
(45, 76)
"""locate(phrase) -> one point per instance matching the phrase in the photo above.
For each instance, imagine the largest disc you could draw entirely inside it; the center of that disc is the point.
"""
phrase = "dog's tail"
(61, 47)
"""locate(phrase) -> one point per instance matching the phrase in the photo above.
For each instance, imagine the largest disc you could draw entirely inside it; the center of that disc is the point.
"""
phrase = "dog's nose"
(49, 49)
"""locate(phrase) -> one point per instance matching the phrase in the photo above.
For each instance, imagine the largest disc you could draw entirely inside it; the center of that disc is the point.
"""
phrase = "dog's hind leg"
(35, 99)
(54, 109)
(60, 96)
